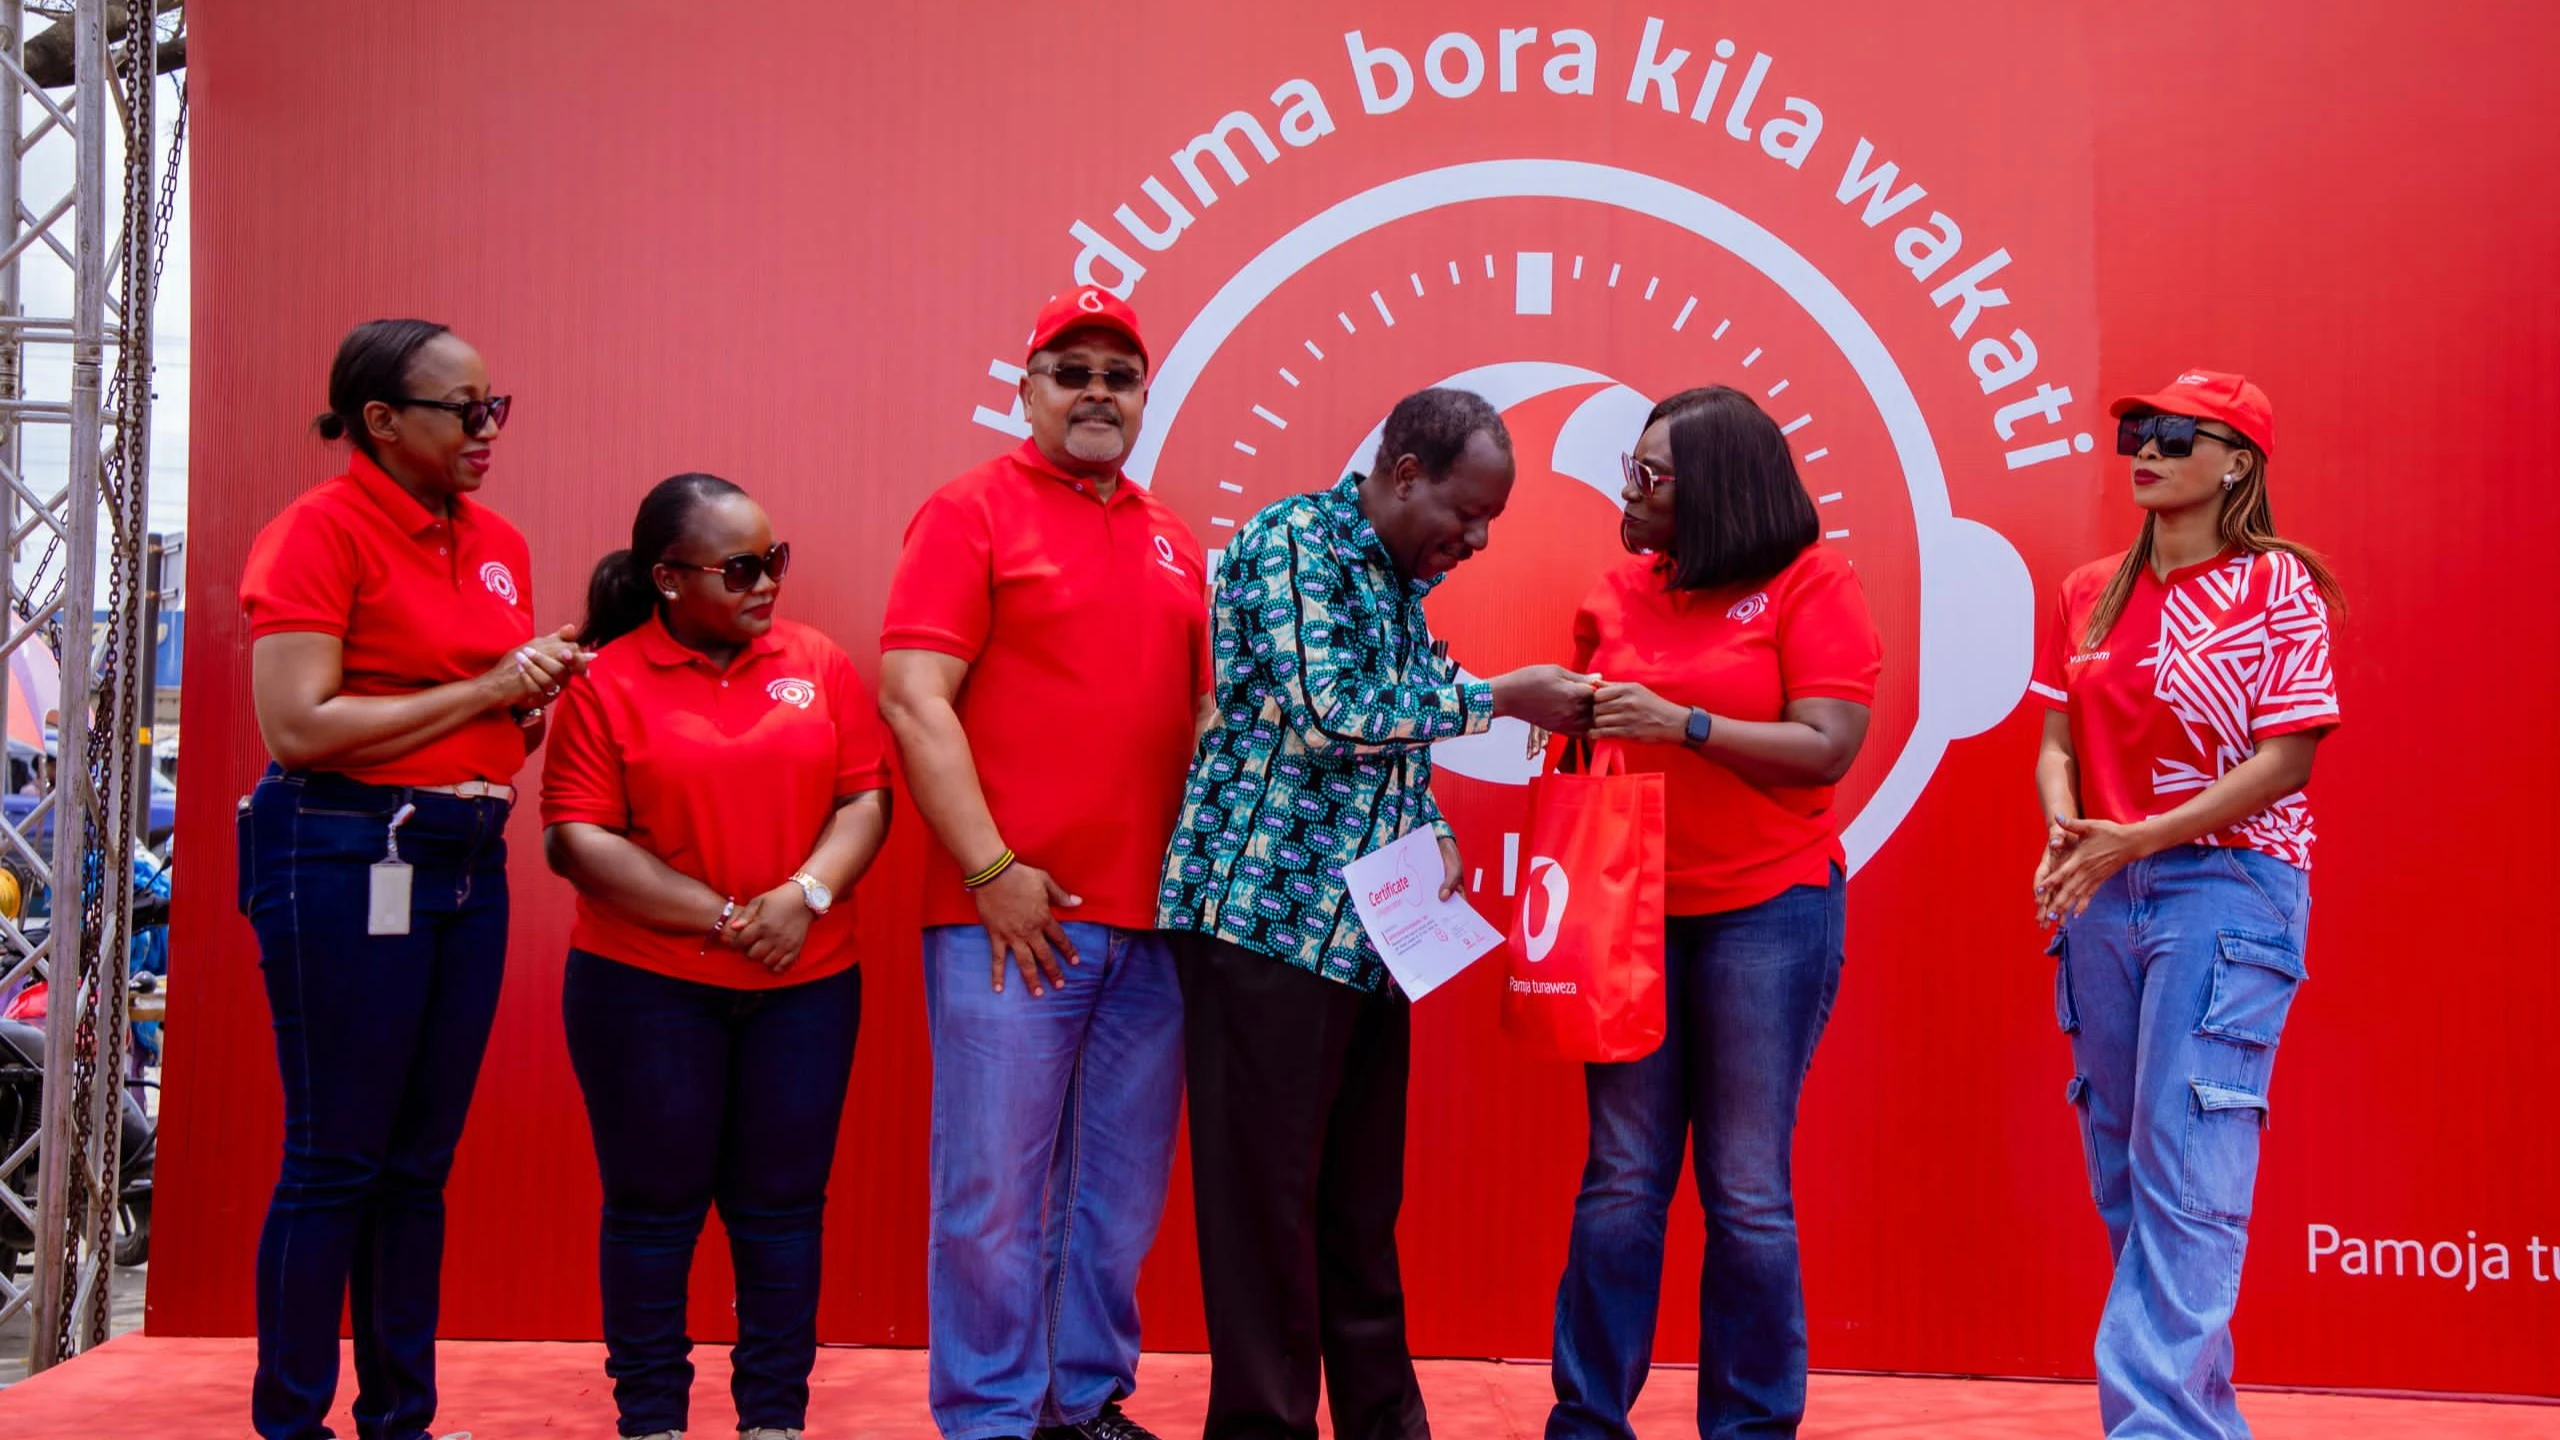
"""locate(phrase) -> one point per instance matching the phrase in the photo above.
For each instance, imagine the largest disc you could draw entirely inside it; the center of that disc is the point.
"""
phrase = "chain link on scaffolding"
(83, 601)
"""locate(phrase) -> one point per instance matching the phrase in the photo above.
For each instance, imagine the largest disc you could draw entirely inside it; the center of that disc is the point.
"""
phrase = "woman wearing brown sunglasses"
(399, 685)
(2189, 684)
(714, 785)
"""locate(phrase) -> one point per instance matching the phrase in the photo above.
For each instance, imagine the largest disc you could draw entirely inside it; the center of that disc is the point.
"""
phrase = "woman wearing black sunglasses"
(2189, 684)
(714, 785)
(399, 685)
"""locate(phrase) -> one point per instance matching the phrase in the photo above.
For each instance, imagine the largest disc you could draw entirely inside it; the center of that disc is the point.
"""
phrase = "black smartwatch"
(1700, 724)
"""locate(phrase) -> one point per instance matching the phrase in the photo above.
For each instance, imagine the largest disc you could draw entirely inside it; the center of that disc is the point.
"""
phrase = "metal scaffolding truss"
(75, 401)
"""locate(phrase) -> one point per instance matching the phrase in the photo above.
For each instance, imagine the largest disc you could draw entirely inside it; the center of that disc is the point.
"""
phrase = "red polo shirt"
(416, 601)
(1741, 653)
(729, 776)
(1086, 629)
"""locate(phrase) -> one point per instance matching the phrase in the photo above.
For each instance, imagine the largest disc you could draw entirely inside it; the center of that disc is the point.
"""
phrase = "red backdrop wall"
(789, 252)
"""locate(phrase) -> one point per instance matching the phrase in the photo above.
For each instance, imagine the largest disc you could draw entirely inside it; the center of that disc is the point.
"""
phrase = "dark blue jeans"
(378, 1038)
(698, 1093)
(1749, 992)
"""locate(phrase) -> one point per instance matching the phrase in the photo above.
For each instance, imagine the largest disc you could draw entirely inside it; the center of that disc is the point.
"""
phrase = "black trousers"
(1297, 1171)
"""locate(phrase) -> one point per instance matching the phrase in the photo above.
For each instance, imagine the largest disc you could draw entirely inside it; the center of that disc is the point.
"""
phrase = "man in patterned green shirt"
(1330, 692)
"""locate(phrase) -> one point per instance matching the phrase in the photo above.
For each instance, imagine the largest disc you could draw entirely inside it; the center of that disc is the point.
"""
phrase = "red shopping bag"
(1586, 942)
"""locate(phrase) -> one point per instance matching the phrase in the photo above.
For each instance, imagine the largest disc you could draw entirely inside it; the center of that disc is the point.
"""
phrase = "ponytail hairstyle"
(621, 595)
(372, 364)
(2247, 524)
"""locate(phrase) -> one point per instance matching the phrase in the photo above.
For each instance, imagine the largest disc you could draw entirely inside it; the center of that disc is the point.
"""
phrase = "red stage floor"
(141, 1388)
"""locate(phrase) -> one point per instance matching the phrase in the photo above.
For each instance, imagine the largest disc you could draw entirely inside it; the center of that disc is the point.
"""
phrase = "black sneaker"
(1111, 1424)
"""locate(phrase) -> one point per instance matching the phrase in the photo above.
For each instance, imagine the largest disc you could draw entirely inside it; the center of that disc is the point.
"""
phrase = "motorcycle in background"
(22, 1052)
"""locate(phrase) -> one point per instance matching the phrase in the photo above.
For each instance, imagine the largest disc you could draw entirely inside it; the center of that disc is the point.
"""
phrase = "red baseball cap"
(2213, 395)
(1087, 307)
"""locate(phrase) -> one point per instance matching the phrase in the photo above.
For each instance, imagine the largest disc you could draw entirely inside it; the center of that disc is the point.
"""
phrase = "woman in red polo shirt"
(2189, 684)
(399, 684)
(1737, 658)
(715, 784)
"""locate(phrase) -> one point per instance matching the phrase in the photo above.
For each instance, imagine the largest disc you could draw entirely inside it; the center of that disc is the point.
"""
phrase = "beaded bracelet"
(984, 877)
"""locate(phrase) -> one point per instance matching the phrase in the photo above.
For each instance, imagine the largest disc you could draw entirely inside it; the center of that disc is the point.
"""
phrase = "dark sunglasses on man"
(476, 414)
(1118, 380)
(739, 573)
(2176, 435)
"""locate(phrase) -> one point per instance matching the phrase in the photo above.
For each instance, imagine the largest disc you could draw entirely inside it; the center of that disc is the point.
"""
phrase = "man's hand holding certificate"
(1422, 938)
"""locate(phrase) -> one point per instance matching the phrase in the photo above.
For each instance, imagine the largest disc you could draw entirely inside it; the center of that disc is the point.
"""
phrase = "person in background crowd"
(1735, 657)
(2189, 684)
(1330, 693)
(1045, 672)
(399, 685)
(715, 787)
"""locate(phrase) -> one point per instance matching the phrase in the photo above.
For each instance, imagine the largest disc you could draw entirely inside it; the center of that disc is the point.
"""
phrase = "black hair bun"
(330, 426)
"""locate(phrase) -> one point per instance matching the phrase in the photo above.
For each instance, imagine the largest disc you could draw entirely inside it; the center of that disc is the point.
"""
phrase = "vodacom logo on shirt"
(1546, 874)
(500, 580)
(798, 693)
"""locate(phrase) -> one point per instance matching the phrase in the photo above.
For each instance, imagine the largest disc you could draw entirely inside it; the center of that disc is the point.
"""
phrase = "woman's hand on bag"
(2099, 849)
(1452, 869)
(1624, 710)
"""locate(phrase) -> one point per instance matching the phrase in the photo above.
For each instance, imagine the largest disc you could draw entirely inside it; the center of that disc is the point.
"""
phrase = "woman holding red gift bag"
(1736, 658)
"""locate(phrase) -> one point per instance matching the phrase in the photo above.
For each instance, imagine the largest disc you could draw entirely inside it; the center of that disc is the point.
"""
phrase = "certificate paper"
(1423, 939)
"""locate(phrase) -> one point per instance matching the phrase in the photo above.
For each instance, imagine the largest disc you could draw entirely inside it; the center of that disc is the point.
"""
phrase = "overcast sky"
(45, 289)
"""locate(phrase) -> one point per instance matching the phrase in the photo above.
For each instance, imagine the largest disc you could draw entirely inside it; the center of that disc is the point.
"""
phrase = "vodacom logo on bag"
(1547, 879)
(1688, 215)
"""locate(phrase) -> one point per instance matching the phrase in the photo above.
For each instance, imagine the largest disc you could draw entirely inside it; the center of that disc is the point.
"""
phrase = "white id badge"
(388, 911)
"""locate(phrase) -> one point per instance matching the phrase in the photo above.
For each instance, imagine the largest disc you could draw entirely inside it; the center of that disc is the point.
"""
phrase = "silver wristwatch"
(821, 899)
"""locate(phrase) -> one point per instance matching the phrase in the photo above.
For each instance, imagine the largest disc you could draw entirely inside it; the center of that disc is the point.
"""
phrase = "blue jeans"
(1749, 992)
(378, 1039)
(1053, 1124)
(697, 1093)
(2173, 988)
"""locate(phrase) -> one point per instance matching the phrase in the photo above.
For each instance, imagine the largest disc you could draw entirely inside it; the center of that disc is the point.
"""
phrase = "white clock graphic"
(1570, 294)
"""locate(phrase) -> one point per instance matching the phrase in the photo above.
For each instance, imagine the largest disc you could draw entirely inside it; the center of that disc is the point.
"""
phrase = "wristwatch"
(1700, 723)
(820, 897)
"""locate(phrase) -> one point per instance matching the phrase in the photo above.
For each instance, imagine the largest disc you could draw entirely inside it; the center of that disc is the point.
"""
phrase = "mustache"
(1094, 412)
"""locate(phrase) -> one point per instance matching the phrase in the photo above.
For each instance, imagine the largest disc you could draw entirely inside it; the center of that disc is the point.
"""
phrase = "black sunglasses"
(1077, 377)
(739, 573)
(475, 414)
(2175, 434)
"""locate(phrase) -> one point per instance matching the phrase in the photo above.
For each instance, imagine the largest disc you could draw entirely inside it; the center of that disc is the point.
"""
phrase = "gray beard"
(1095, 449)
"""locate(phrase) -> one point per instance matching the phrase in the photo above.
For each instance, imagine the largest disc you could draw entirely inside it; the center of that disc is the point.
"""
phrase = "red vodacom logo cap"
(2213, 395)
(1087, 307)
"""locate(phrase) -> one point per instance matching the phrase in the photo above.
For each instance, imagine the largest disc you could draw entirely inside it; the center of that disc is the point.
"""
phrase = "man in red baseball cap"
(1046, 672)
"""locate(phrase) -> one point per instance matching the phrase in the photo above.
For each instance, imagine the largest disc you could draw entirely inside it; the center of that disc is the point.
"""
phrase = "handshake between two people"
(1563, 702)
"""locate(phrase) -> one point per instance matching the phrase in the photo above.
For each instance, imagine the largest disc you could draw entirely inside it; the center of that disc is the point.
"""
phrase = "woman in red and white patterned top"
(2190, 684)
